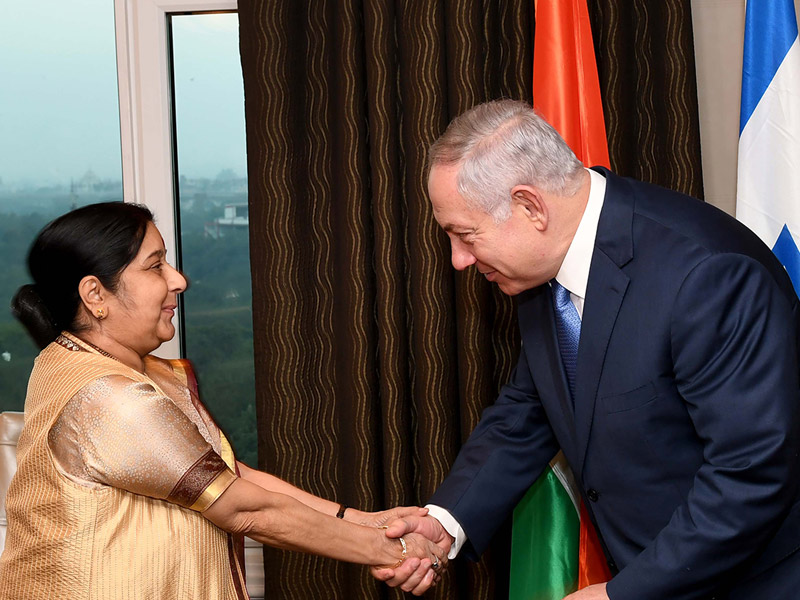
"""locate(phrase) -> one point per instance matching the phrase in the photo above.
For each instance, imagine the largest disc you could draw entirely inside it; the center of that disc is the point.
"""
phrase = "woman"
(125, 486)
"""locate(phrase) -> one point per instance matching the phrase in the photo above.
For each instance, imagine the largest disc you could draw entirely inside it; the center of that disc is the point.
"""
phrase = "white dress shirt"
(573, 275)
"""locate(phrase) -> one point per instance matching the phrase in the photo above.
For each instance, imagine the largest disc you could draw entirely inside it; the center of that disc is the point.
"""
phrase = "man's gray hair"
(501, 144)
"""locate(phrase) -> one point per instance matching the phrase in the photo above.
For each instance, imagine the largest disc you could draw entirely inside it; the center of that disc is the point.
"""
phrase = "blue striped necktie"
(568, 327)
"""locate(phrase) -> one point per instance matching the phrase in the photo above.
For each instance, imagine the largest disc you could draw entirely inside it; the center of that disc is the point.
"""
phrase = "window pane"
(214, 239)
(59, 142)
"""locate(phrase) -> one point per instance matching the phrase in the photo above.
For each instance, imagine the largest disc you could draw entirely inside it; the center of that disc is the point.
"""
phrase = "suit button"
(592, 495)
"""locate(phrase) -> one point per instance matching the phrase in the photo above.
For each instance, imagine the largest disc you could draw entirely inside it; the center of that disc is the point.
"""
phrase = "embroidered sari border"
(202, 483)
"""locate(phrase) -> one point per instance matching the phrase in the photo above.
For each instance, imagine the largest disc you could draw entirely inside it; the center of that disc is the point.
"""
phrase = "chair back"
(10, 428)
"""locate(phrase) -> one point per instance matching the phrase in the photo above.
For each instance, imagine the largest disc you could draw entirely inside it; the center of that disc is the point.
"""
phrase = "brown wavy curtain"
(373, 357)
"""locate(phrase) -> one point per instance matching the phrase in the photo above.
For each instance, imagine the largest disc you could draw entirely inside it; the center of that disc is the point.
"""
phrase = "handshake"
(425, 545)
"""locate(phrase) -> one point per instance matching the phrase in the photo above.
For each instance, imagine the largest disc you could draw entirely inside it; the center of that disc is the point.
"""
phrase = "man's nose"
(461, 257)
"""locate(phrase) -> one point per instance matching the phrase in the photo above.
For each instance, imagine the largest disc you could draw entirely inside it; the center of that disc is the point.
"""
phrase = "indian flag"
(545, 539)
(554, 548)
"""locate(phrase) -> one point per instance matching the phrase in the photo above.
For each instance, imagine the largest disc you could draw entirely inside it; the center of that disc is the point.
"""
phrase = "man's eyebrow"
(450, 227)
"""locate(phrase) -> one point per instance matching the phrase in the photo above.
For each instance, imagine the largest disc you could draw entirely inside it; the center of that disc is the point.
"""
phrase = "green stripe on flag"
(545, 542)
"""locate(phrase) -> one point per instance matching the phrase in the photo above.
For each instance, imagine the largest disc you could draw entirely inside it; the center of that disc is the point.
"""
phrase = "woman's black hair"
(98, 239)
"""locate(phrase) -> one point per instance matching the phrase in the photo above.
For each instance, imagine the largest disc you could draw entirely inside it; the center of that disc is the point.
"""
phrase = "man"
(679, 411)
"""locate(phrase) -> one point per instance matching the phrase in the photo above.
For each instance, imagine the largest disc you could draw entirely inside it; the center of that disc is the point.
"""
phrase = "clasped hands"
(427, 545)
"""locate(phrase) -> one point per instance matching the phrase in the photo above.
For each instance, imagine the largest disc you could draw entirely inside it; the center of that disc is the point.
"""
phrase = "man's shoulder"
(664, 205)
(663, 216)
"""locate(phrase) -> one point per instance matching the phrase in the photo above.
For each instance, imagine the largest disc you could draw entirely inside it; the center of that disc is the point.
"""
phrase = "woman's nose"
(176, 280)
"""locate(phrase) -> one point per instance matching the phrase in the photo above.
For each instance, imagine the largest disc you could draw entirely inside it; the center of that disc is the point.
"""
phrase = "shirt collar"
(574, 271)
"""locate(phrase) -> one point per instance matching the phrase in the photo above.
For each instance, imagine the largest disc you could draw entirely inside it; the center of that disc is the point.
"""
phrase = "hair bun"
(27, 306)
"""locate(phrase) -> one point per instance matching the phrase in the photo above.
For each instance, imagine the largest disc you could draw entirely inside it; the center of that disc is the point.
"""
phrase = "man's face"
(513, 254)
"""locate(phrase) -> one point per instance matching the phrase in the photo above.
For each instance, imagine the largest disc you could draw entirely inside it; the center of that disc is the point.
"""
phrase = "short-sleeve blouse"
(153, 440)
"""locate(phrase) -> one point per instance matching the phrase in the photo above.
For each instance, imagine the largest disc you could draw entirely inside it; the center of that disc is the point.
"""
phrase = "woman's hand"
(423, 561)
(383, 517)
(414, 575)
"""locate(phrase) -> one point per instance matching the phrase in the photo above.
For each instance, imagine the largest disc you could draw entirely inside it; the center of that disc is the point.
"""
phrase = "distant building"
(235, 216)
(88, 183)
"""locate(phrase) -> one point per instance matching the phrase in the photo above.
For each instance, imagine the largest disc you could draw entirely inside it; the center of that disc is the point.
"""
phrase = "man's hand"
(424, 525)
(413, 575)
(592, 592)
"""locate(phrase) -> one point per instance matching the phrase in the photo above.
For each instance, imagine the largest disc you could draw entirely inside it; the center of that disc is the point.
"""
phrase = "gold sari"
(114, 470)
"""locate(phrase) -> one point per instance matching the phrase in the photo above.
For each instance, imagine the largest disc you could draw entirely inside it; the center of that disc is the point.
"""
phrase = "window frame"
(145, 108)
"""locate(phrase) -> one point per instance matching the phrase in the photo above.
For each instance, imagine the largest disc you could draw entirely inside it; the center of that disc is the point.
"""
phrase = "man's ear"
(93, 296)
(530, 202)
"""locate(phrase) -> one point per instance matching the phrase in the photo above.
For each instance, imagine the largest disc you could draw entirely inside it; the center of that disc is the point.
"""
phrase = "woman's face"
(140, 313)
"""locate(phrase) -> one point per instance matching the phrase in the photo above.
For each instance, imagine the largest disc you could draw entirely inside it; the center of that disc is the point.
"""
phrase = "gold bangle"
(403, 544)
(403, 555)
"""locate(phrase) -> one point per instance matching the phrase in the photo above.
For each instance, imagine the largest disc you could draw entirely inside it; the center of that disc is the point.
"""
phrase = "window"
(214, 237)
(70, 136)
(59, 142)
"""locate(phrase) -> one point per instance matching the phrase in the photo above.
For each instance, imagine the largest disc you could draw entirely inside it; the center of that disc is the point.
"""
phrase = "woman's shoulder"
(110, 397)
(177, 370)
(68, 352)
(170, 365)
(64, 369)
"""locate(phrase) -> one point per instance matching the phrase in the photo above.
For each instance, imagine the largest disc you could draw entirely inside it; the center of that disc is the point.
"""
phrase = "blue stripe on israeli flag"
(768, 186)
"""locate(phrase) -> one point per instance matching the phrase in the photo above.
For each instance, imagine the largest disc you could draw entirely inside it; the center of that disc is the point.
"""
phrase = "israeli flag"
(768, 187)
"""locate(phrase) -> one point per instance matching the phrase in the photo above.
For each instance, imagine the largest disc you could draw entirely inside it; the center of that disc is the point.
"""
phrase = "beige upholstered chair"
(10, 426)
(254, 568)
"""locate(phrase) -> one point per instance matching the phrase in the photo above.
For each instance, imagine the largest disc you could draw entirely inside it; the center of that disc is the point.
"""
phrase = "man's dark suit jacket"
(685, 430)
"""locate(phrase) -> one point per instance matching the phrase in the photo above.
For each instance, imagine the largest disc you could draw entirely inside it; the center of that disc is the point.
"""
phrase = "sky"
(59, 108)
(209, 96)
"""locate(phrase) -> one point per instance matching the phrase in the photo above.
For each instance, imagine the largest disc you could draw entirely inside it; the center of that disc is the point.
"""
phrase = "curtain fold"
(373, 358)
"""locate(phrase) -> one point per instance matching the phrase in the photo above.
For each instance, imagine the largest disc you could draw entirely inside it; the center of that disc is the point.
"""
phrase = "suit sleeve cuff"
(451, 526)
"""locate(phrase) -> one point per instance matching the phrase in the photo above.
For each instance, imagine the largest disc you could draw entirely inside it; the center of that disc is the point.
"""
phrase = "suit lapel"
(537, 324)
(604, 295)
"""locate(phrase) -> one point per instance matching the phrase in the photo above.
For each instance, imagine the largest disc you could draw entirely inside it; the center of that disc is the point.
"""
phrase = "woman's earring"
(101, 314)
